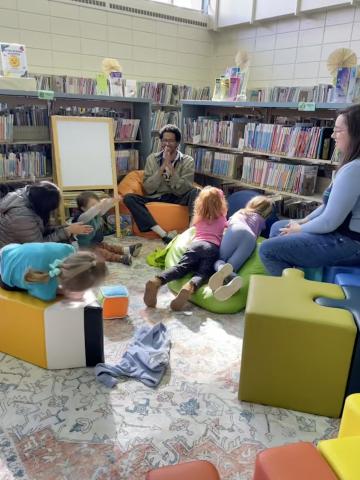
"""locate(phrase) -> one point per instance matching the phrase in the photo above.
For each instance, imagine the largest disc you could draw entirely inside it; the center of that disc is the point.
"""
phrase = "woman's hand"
(292, 227)
(79, 229)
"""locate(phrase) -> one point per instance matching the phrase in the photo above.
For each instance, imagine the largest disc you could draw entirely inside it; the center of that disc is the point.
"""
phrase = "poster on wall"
(13, 60)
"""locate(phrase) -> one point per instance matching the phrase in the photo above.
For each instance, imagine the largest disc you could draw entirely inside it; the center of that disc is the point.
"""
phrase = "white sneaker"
(226, 291)
(217, 280)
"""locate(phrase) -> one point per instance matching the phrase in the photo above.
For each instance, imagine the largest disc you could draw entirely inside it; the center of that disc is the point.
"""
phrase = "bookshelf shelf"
(314, 198)
(280, 105)
(127, 141)
(27, 142)
(23, 179)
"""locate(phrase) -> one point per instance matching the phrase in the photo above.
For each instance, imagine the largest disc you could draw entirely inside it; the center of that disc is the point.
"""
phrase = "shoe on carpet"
(169, 236)
(226, 291)
(151, 291)
(182, 297)
(126, 259)
(217, 280)
(135, 249)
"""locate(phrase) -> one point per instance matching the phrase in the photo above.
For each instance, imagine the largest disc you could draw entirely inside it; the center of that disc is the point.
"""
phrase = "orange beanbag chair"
(168, 215)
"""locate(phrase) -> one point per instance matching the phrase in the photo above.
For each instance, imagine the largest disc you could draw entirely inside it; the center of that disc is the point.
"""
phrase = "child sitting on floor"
(93, 209)
(238, 243)
(45, 269)
(209, 221)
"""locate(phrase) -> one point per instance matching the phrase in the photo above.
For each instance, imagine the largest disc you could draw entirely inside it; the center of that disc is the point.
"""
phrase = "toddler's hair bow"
(54, 270)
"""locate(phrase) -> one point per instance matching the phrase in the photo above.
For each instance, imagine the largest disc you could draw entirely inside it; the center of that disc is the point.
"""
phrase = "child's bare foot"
(182, 297)
(151, 290)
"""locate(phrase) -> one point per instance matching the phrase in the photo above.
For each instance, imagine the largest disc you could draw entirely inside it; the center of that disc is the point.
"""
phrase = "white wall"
(64, 38)
(291, 51)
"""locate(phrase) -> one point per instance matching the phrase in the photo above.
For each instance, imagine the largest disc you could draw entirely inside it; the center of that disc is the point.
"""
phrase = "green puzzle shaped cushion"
(204, 297)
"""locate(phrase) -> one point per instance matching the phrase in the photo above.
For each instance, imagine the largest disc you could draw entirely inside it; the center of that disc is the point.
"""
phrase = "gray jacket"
(20, 224)
(178, 184)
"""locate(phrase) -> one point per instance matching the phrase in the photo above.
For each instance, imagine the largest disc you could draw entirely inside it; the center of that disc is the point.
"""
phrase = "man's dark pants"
(143, 218)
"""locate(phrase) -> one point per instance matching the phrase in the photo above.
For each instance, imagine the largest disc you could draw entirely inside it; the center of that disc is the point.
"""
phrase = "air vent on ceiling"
(149, 13)
(96, 3)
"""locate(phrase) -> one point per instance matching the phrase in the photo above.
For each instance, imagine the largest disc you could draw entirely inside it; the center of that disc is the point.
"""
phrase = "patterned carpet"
(62, 425)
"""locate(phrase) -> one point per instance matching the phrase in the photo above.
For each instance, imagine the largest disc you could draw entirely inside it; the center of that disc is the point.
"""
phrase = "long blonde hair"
(259, 204)
(76, 273)
(210, 204)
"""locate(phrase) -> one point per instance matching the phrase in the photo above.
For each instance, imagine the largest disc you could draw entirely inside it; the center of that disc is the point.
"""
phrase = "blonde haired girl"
(210, 222)
(46, 269)
(237, 245)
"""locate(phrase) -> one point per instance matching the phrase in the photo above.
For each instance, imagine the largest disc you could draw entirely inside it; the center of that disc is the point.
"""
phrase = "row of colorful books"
(66, 84)
(159, 118)
(126, 160)
(212, 130)
(171, 94)
(6, 127)
(217, 163)
(23, 165)
(127, 128)
(298, 179)
(319, 93)
(301, 140)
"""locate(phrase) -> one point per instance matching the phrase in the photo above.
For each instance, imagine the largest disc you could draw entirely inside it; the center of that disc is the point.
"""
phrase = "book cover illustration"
(13, 60)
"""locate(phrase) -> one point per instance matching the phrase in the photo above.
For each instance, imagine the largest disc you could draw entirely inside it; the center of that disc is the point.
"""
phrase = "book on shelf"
(345, 84)
(6, 127)
(116, 84)
(126, 160)
(213, 131)
(159, 118)
(101, 84)
(216, 163)
(319, 94)
(127, 129)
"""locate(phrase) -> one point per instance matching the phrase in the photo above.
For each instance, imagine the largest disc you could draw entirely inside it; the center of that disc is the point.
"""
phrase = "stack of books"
(298, 179)
(126, 160)
(126, 129)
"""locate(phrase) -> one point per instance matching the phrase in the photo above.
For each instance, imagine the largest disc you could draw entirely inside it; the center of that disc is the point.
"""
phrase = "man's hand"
(168, 158)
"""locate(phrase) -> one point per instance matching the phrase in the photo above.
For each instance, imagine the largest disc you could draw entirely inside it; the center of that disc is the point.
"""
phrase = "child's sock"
(126, 259)
(160, 231)
(151, 291)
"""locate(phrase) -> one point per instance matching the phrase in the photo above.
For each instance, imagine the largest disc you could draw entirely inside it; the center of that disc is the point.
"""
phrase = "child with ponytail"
(45, 269)
(238, 243)
(210, 222)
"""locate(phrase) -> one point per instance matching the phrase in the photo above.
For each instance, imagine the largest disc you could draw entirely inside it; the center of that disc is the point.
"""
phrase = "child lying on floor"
(45, 269)
(209, 221)
(93, 209)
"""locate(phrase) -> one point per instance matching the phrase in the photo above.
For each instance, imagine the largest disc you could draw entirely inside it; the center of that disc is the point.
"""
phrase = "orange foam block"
(114, 301)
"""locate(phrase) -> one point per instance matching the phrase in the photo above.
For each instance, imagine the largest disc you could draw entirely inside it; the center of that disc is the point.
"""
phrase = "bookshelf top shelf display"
(289, 105)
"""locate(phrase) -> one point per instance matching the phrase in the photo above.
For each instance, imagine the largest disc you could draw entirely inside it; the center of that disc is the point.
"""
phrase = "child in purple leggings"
(238, 243)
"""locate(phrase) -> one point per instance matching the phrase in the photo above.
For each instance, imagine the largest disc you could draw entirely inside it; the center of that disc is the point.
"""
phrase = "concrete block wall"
(289, 51)
(65, 38)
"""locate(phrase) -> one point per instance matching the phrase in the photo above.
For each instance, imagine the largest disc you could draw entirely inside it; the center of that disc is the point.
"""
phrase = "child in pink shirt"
(210, 222)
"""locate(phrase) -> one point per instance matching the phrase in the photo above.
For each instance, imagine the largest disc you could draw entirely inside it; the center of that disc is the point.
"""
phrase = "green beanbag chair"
(204, 297)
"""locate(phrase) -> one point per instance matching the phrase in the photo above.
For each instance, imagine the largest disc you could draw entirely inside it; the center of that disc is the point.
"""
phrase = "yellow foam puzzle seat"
(296, 354)
(350, 420)
(342, 454)
(59, 334)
